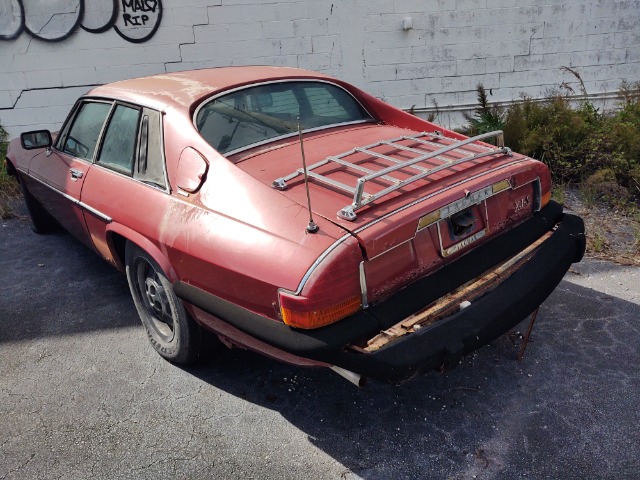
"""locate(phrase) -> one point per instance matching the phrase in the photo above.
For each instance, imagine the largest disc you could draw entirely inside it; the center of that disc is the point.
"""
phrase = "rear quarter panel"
(236, 237)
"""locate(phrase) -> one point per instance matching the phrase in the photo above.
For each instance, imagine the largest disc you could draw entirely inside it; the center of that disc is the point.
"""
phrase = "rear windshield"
(257, 114)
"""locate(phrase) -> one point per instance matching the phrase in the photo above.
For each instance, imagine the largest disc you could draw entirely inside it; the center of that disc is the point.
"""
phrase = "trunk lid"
(416, 211)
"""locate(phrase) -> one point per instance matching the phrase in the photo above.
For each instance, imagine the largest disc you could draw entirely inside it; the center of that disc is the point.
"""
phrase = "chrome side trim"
(95, 212)
(537, 195)
(315, 264)
(89, 96)
(363, 285)
(131, 179)
(167, 188)
(75, 201)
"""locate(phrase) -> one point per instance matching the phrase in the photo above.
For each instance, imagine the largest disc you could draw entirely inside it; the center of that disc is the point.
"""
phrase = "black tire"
(171, 331)
(41, 221)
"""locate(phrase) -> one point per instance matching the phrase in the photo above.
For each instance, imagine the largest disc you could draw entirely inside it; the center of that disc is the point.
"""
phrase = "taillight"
(299, 312)
(331, 293)
(544, 185)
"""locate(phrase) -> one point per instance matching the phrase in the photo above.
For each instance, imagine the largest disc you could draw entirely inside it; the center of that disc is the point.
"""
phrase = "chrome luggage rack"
(362, 198)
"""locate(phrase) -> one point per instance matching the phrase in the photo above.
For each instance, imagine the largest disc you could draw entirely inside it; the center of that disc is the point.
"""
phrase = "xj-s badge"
(522, 203)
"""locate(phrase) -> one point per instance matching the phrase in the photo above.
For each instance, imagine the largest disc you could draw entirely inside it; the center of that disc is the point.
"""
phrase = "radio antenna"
(312, 227)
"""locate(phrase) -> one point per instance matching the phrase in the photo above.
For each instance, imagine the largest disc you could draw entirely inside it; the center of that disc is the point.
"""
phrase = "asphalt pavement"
(83, 394)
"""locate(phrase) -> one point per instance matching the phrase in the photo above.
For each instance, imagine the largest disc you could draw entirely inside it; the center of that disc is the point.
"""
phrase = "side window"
(150, 165)
(118, 146)
(82, 137)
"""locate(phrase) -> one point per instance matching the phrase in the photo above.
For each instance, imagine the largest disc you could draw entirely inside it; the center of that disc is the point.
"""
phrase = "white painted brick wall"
(511, 46)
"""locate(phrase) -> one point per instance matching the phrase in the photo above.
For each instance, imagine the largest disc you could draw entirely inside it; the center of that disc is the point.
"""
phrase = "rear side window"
(82, 137)
(149, 167)
(132, 145)
(118, 146)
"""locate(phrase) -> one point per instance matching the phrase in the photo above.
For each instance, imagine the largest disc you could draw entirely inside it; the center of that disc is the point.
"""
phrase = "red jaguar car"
(292, 214)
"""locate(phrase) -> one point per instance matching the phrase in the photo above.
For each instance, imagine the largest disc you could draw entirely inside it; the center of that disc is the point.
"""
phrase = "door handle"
(75, 173)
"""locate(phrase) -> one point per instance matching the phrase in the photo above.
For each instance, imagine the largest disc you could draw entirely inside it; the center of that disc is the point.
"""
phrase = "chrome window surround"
(288, 135)
(71, 117)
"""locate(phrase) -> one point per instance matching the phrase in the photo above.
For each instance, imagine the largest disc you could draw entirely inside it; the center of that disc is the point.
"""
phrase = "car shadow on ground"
(55, 277)
(570, 408)
(566, 408)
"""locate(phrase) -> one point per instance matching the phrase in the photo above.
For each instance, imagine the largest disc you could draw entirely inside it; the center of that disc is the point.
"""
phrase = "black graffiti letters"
(139, 6)
(55, 20)
(139, 19)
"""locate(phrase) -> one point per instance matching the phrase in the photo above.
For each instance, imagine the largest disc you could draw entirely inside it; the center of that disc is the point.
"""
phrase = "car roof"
(184, 89)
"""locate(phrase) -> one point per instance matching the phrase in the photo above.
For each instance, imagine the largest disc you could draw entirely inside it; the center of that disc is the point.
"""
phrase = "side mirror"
(192, 169)
(36, 139)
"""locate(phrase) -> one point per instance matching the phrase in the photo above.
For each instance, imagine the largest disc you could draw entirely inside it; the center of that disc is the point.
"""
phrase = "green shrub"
(552, 132)
(579, 144)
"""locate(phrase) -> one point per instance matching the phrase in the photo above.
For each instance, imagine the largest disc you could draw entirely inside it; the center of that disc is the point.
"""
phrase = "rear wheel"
(41, 221)
(171, 331)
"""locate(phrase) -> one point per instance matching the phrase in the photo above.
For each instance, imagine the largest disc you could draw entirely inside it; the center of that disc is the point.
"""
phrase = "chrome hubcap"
(157, 297)
(154, 296)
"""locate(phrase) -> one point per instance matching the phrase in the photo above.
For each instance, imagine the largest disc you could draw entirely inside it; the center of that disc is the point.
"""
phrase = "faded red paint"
(231, 234)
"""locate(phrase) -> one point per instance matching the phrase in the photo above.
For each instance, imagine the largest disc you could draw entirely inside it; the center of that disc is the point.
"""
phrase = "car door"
(58, 175)
(128, 180)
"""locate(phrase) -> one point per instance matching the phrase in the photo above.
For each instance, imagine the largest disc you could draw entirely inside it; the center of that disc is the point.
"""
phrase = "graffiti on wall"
(55, 20)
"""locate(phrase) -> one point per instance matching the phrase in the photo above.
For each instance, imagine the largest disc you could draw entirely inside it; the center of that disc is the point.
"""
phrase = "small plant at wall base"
(486, 118)
(8, 186)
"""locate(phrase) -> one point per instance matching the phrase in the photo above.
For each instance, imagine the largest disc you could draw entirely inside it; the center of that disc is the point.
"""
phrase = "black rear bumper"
(446, 341)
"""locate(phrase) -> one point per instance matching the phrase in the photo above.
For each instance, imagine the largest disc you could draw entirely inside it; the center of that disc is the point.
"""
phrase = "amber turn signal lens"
(500, 186)
(321, 317)
(428, 219)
